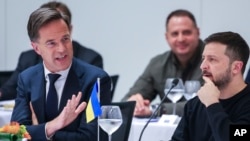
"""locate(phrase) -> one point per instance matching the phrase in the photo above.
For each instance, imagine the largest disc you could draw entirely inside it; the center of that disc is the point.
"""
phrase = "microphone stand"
(174, 83)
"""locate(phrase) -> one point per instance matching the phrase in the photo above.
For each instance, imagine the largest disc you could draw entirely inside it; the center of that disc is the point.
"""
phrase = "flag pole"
(98, 96)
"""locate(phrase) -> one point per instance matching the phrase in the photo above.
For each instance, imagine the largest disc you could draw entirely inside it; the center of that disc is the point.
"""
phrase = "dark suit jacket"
(31, 87)
(247, 79)
(31, 58)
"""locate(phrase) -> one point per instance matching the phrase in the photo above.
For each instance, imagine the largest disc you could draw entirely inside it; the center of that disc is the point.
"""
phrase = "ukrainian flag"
(93, 108)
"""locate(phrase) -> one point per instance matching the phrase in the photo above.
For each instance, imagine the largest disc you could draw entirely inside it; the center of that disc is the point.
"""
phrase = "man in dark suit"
(30, 58)
(50, 35)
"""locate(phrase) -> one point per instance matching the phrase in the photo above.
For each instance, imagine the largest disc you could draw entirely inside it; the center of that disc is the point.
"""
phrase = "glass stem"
(110, 137)
(174, 109)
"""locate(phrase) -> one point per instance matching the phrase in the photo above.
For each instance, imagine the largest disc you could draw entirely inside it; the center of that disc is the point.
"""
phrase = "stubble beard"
(223, 79)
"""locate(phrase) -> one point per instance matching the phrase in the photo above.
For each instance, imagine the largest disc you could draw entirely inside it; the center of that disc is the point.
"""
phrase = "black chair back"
(4, 76)
(114, 79)
(122, 134)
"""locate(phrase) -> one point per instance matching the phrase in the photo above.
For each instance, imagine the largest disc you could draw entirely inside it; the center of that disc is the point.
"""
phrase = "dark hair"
(181, 13)
(58, 6)
(237, 48)
(41, 17)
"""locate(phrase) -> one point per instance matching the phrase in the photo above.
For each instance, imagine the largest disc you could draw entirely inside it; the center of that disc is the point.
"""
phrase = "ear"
(237, 67)
(166, 36)
(71, 28)
(35, 47)
(198, 31)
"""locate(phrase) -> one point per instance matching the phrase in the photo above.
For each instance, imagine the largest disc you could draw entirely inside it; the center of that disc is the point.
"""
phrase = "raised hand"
(68, 114)
(208, 93)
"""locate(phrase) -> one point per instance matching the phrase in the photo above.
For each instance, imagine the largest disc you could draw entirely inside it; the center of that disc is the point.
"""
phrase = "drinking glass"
(191, 88)
(110, 119)
(176, 93)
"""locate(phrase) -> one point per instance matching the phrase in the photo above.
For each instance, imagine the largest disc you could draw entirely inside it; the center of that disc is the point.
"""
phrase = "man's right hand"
(142, 105)
(70, 112)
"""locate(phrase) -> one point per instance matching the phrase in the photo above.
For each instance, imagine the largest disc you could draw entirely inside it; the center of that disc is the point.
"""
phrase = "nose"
(180, 37)
(61, 47)
(204, 65)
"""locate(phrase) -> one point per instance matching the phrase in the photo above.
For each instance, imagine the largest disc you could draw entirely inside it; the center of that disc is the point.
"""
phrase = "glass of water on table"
(176, 93)
(191, 88)
(110, 119)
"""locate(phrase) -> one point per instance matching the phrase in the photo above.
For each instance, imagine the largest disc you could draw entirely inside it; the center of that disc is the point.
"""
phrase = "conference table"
(157, 130)
(6, 111)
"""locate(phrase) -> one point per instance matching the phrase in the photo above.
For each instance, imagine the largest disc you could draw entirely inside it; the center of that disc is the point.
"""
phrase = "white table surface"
(5, 113)
(155, 131)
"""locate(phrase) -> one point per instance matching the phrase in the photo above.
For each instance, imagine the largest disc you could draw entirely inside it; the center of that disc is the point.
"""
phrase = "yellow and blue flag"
(93, 108)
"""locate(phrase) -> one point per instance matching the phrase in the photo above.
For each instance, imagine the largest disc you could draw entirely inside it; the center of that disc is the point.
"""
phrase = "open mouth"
(61, 58)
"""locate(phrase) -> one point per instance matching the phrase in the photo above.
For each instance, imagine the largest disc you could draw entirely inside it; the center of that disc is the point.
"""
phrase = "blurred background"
(126, 33)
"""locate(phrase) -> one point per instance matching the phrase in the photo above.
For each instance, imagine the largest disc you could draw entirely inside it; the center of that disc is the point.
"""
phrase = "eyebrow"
(216, 56)
(66, 35)
(50, 40)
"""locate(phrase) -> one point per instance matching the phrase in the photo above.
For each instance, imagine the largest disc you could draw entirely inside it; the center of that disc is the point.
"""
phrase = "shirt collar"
(63, 73)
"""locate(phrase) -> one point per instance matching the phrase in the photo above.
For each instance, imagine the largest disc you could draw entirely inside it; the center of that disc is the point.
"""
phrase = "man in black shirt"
(224, 98)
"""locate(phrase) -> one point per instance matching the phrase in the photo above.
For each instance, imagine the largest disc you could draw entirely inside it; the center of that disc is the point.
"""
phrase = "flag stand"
(98, 96)
(93, 110)
(98, 130)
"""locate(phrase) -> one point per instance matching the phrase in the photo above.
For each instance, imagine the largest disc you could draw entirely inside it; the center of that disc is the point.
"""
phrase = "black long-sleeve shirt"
(212, 123)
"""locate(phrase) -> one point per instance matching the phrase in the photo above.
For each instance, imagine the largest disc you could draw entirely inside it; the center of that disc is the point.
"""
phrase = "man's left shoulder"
(84, 66)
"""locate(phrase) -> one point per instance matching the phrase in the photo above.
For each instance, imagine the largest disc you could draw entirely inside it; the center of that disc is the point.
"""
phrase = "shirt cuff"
(48, 138)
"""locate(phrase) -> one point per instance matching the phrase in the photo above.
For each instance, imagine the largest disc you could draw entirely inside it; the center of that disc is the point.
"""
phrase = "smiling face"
(55, 45)
(216, 64)
(182, 35)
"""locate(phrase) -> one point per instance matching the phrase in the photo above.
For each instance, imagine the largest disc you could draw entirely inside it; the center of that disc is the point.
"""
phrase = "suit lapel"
(71, 87)
(38, 95)
(38, 92)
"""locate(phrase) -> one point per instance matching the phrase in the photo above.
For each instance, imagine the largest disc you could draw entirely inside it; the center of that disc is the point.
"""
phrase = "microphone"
(174, 83)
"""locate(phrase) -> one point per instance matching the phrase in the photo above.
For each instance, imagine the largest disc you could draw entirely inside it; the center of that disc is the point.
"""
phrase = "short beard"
(223, 79)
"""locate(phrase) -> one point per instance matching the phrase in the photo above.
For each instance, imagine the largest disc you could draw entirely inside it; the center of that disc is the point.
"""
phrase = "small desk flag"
(93, 108)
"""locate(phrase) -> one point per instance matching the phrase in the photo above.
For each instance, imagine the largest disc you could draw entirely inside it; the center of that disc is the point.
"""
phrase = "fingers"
(72, 103)
(81, 107)
(79, 96)
(208, 93)
(139, 100)
(142, 105)
(146, 102)
(143, 112)
(206, 79)
(69, 113)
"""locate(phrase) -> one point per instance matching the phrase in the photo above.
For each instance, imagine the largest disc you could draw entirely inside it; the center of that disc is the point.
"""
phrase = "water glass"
(191, 88)
(111, 119)
(176, 93)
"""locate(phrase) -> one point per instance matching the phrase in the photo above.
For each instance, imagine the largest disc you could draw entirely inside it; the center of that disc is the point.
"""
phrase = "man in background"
(182, 61)
(30, 57)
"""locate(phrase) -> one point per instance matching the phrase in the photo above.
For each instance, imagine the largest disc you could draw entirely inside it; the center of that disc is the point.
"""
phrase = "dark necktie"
(52, 99)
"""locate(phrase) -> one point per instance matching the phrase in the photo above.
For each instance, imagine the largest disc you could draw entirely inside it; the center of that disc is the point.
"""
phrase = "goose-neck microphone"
(174, 83)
